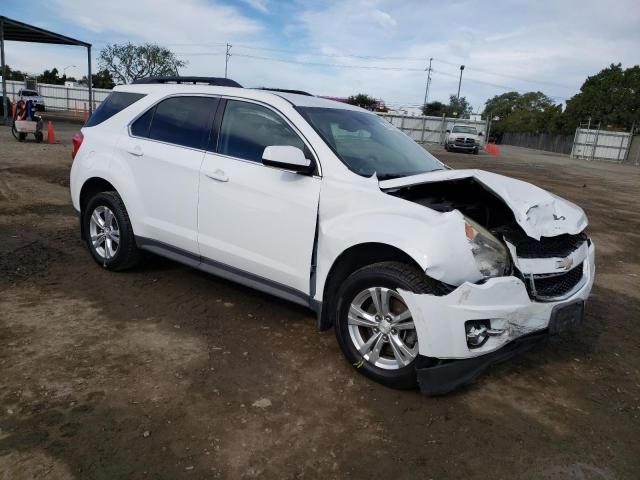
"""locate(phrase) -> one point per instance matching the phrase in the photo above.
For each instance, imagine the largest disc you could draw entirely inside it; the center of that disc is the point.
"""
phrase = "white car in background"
(34, 96)
(463, 137)
(427, 274)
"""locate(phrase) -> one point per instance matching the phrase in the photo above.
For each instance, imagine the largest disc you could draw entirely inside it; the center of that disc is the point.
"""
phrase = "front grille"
(546, 247)
(554, 286)
(464, 141)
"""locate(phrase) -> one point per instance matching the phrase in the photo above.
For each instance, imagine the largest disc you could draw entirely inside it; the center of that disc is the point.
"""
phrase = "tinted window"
(114, 103)
(140, 128)
(248, 128)
(183, 121)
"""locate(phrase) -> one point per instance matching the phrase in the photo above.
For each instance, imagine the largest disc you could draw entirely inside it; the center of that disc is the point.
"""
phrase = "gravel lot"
(166, 372)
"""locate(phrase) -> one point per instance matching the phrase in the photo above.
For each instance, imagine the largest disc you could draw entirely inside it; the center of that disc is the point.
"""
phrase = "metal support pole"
(426, 91)
(442, 128)
(424, 127)
(90, 81)
(5, 100)
(226, 60)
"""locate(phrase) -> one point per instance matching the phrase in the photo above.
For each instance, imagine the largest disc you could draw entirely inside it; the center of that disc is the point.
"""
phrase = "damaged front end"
(541, 286)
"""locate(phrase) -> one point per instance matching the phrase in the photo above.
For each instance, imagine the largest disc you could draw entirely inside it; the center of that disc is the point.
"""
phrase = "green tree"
(13, 74)
(527, 112)
(363, 100)
(611, 97)
(51, 77)
(102, 79)
(458, 107)
(127, 62)
(434, 109)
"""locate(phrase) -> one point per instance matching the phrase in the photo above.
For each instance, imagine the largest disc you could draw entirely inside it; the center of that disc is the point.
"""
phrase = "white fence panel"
(592, 144)
(59, 97)
(429, 129)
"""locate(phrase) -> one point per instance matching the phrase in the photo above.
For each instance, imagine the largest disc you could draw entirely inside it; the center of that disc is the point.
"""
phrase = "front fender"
(436, 241)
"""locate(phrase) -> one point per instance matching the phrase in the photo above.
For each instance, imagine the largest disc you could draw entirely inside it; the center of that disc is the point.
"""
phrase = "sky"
(340, 48)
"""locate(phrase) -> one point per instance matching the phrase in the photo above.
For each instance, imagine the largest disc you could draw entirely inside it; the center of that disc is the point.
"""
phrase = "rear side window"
(114, 103)
(178, 120)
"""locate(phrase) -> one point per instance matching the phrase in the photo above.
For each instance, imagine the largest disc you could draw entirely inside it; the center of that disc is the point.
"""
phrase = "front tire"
(374, 326)
(108, 232)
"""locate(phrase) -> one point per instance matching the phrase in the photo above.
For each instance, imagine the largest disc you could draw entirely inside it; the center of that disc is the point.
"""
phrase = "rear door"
(165, 149)
(255, 221)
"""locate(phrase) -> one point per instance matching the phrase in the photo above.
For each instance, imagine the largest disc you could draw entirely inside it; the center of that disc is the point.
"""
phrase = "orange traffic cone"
(51, 133)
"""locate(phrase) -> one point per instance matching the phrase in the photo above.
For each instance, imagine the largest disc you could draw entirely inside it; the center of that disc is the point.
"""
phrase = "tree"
(458, 107)
(434, 109)
(102, 79)
(13, 74)
(51, 77)
(527, 112)
(363, 100)
(611, 97)
(127, 62)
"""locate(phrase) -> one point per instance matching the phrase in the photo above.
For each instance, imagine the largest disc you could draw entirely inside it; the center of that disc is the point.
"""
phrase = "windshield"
(29, 93)
(464, 129)
(368, 144)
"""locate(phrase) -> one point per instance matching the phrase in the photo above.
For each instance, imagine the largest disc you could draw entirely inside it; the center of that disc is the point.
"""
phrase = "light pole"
(460, 81)
(64, 70)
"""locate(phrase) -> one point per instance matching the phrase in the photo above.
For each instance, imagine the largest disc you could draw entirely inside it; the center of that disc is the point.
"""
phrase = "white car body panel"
(504, 300)
(263, 220)
(258, 219)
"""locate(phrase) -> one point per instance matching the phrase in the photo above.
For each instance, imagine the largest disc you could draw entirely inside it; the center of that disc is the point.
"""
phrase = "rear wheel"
(374, 326)
(108, 232)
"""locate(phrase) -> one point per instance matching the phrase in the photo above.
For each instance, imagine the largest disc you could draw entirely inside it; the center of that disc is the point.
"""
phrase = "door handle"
(136, 151)
(217, 175)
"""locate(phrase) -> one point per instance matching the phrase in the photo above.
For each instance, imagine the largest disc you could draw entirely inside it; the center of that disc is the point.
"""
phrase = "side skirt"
(227, 272)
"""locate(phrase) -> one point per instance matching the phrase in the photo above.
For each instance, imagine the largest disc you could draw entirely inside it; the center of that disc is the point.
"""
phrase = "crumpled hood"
(538, 212)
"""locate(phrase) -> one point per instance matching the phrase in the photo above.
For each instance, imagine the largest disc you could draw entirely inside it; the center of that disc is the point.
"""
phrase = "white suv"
(427, 274)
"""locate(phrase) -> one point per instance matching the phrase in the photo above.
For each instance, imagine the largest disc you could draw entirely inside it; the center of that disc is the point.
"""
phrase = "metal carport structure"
(13, 30)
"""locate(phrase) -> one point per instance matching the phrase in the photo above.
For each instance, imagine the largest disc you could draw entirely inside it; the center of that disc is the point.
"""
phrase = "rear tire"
(382, 347)
(108, 232)
(475, 151)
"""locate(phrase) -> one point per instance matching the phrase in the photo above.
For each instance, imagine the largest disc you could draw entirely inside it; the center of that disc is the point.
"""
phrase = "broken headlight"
(490, 254)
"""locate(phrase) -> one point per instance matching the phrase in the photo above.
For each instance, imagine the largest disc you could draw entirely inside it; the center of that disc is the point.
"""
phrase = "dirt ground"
(165, 372)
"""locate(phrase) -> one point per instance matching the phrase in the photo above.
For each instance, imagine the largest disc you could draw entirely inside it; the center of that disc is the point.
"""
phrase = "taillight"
(76, 140)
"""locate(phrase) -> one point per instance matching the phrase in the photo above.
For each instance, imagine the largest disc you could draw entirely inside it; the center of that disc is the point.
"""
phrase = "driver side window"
(247, 129)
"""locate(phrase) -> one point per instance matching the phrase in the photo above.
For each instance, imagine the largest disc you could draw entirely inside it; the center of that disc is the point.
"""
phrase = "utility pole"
(226, 59)
(460, 81)
(426, 91)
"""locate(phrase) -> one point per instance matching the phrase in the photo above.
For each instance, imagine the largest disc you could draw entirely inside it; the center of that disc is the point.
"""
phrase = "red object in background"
(51, 133)
(492, 149)
(76, 141)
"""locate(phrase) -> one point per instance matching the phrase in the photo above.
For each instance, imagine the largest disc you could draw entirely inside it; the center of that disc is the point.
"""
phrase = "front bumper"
(440, 320)
(453, 146)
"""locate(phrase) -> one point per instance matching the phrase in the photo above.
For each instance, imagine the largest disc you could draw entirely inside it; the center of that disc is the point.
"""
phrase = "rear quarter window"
(114, 103)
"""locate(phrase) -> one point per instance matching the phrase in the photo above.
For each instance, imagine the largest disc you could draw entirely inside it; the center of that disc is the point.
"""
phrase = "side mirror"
(481, 134)
(447, 131)
(286, 157)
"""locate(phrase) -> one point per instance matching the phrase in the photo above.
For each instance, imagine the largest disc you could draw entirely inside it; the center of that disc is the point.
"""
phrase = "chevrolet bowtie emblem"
(565, 263)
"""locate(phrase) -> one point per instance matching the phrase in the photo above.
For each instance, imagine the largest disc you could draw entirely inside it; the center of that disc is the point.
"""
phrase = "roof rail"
(218, 81)
(285, 90)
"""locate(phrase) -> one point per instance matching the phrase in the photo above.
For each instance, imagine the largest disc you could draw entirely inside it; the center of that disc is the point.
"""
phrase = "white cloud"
(547, 45)
(260, 5)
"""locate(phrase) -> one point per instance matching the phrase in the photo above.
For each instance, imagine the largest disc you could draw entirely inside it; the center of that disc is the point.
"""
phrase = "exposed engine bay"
(550, 266)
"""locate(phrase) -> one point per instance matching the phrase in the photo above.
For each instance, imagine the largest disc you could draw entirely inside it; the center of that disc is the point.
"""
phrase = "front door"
(257, 221)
